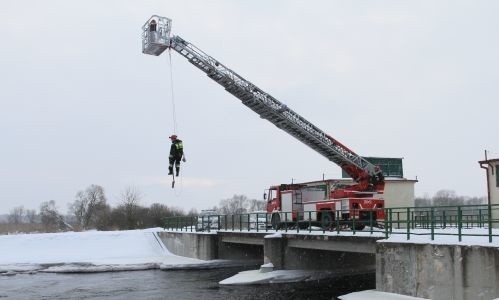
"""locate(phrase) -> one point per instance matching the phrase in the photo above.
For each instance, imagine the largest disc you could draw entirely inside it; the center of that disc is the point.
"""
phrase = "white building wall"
(494, 190)
(399, 193)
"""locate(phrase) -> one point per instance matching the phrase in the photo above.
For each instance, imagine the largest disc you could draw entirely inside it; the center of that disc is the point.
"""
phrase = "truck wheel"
(327, 220)
(359, 226)
(276, 221)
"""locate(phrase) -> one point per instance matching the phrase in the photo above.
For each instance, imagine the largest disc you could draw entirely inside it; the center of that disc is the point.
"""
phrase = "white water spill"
(91, 251)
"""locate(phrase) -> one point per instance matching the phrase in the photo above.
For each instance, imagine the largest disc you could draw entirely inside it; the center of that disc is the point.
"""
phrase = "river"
(157, 284)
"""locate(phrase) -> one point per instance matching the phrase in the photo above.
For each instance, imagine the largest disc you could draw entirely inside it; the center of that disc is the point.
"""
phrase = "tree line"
(90, 210)
(448, 198)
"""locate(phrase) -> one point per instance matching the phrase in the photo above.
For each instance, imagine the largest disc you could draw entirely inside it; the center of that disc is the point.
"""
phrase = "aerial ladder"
(368, 178)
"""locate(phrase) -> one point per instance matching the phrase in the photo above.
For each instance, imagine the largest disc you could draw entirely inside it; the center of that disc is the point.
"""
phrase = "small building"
(491, 167)
(399, 191)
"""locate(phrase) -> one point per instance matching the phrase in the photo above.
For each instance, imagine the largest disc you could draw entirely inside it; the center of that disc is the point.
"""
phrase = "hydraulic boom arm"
(367, 175)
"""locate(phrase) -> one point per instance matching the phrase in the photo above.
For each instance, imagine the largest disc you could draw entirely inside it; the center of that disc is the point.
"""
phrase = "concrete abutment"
(438, 271)
(421, 270)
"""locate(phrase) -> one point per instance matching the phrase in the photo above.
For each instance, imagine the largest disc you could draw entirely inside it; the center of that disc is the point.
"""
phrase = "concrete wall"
(289, 252)
(438, 271)
(240, 246)
(194, 245)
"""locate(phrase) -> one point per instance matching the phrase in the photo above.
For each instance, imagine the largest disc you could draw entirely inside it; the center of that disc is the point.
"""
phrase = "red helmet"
(173, 137)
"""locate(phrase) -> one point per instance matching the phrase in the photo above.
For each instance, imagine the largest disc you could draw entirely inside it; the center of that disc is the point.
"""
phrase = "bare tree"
(16, 215)
(257, 205)
(238, 204)
(447, 197)
(87, 205)
(422, 201)
(30, 215)
(51, 219)
(476, 200)
(130, 198)
(193, 212)
(156, 214)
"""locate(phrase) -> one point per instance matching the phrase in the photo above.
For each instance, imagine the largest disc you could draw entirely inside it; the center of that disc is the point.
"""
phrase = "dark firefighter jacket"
(176, 149)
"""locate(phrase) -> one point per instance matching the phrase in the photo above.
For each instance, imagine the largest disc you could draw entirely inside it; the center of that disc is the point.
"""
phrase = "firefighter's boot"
(177, 170)
(170, 171)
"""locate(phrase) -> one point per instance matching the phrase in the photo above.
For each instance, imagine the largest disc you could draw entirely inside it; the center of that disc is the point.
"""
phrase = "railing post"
(249, 225)
(408, 211)
(297, 217)
(240, 222)
(285, 222)
(398, 220)
(412, 220)
(338, 214)
(310, 221)
(459, 222)
(257, 222)
(390, 219)
(387, 210)
(353, 221)
(428, 220)
(432, 212)
(371, 220)
(490, 222)
(444, 219)
(266, 222)
(232, 217)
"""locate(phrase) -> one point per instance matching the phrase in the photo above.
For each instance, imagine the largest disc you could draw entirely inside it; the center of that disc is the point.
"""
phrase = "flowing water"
(157, 284)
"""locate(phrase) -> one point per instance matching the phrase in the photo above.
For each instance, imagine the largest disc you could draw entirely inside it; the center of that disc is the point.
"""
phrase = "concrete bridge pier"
(432, 271)
(273, 251)
(288, 252)
(339, 254)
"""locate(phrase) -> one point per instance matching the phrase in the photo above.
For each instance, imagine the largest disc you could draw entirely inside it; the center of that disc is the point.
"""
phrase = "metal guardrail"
(411, 221)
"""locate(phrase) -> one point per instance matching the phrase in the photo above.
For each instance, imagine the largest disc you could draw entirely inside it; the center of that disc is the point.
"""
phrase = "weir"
(420, 270)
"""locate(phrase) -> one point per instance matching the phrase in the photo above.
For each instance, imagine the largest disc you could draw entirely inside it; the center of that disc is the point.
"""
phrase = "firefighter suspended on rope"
(176, 155)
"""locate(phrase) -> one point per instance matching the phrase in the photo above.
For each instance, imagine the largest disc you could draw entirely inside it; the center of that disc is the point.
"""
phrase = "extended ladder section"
(276, 112)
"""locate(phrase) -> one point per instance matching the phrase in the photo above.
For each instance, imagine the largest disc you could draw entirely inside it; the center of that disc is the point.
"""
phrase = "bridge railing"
(433, 221)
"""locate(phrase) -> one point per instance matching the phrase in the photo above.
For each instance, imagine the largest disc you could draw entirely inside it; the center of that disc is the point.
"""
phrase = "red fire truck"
(313, 203)
(324, 202)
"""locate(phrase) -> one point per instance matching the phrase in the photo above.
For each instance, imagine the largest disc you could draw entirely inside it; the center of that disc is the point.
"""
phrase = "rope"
(173, 94)
(174, 116)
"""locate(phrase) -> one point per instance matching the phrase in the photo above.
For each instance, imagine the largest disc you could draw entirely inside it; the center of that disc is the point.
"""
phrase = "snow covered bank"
(266, 274)
(91, 251)
(376, 295)
(258, 277)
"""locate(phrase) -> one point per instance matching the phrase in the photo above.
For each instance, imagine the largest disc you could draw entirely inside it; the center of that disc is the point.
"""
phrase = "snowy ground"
(376, 295)
(91, 251)
(105, 251)
(449, 236)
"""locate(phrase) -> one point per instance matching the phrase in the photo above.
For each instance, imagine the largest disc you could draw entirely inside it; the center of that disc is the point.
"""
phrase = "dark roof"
(489, 161)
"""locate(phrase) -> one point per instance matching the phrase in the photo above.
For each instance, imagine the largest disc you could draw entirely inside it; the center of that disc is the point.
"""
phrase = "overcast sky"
(80, 104)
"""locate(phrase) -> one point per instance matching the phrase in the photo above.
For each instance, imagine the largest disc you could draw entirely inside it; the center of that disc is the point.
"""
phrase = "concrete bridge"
(422, 270)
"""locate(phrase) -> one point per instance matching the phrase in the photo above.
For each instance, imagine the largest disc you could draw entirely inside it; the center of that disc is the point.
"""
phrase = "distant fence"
(410, 221)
